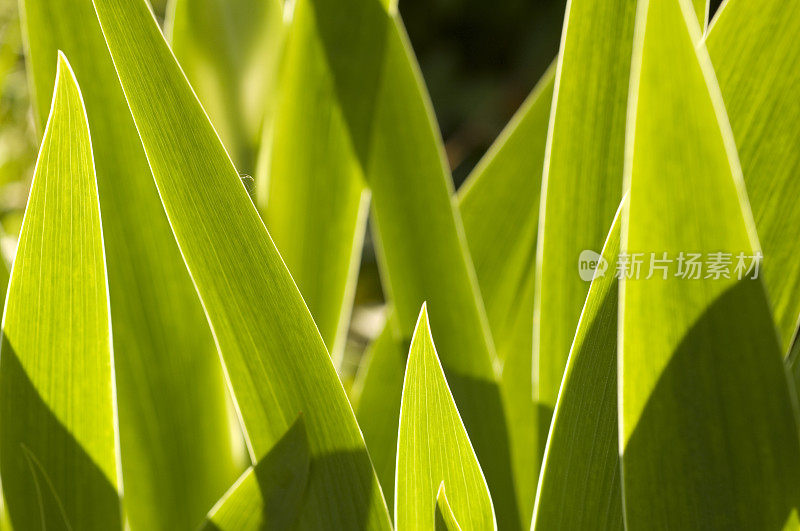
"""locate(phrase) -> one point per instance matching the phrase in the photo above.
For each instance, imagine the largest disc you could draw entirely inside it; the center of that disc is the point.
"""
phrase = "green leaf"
(269, 495)
(230, 51)
(498, 204)
(174, 424)
(275, 358)
(380, 388)
(316, 203)
(433, 446)
(582, 173)
(423, 255)
(753, 46)
(702, 385)
(580, 486)
(57, 410)
(500, 225)
(445, 519)
(422, 251)
(701, 9)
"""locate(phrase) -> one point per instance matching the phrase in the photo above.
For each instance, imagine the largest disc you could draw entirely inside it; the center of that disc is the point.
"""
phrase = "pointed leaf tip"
(433, 446)
(445, 519)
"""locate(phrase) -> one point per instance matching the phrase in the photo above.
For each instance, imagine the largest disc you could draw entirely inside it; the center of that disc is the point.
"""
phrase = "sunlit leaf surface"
(580, 483)
(582, 173)
(58, 451)
(702, 386)
(175, 437)
(433, 447)
(276, 361)
(753, 46)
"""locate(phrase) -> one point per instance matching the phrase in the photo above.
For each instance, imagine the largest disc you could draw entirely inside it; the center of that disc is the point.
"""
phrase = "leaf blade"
(580, 484)
(167, 372)
(761, 41)
(425, 462)
(234, 263)
(706, 325)
(445, 519)
(314, 199)
(424, 257)
(230, 52)
(499, 206)
(58, 412)
(268, 495)
(582, 182)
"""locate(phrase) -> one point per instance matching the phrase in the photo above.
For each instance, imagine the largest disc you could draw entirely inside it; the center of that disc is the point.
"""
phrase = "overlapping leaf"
(380, 386)
(174, 426)
(316, 203)
(58, 451)
(499, 204)
(230, 51)
(753, 46)
(579, 486)
(582, 174)
(702, 384)
(275, 358)
(433, 448)
(421, 246)
(445, 520)
(270, 494)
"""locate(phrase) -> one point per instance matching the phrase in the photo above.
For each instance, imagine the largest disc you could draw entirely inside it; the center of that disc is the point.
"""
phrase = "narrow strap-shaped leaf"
(580, 486)
(276, 361)
(423, 255)
(58, 451)
(316, 202)
(445, 519)
(701, 9)
(746, 18)
(174, 425)
(753, 46)
(582, 173)
(708, 435)
(380, 388)
(499, 207)
(270, 494)
(230, 50)
(433, 447)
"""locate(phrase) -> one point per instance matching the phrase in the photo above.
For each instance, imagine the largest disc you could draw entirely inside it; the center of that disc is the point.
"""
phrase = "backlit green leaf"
(269, 495)
(423, 255)
(702, 385)
(701, 8)
(57, 411)
(276, 361)
(380, 385)
(753, 46)
(316, 203)
(174, 426)
(230, 51)
(582, 173)
(579, 486)
(445, 519)
(433, 447)
(499, 206)
(422, 251)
